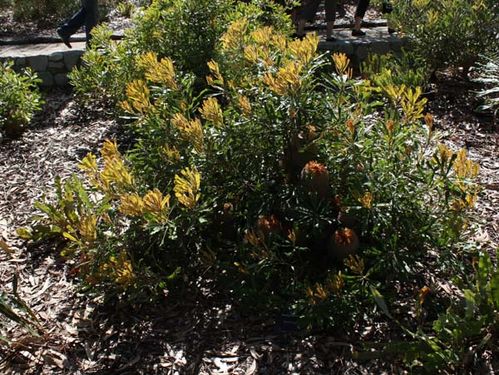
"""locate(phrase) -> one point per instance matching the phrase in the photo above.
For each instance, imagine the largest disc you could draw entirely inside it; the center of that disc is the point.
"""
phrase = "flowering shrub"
(287, 183)
(160, 28)
(19, 99)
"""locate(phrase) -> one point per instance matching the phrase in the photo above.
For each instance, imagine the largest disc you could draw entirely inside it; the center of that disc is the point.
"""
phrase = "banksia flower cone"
(344, 242)
(316, 178)
(267, 225)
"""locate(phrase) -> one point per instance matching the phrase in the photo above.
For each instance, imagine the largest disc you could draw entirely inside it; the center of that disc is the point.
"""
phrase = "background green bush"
(5, 4)
(51, 12)
(448, 33)
(186, 31)
(43, 11)
(19, 99)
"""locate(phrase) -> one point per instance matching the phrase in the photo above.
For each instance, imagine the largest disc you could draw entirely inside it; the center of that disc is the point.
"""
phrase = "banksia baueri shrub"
(285, 182)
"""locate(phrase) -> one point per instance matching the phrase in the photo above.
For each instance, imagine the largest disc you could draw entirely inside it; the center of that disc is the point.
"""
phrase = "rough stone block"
(56, 56)
(71, 58)
(362, 51)
(380, 47)
(344, 46)
(58, 65)
(47, 79)
(38, 63)
(61, 79)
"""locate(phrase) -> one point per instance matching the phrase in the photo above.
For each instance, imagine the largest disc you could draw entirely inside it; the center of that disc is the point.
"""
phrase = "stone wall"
(50, 62)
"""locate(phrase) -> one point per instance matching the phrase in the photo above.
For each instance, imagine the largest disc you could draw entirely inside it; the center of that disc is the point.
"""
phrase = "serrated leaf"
(43, 207)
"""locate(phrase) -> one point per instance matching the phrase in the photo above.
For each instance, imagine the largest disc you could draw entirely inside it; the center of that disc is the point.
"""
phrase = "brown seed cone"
(316, 178)
(269, 225)
(343, 242)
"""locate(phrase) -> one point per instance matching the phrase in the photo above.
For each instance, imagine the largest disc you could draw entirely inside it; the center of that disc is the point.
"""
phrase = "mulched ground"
(85, 335)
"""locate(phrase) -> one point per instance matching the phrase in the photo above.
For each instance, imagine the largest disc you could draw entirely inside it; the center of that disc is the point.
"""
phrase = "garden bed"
(201, 334)
(261, 207)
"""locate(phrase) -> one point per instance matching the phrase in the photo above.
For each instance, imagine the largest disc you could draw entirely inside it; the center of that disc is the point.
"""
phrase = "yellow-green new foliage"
(91, 215)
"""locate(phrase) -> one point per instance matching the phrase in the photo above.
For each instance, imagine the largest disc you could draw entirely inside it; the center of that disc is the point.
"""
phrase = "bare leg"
(357, 24)
(300, 27)
(329, 29)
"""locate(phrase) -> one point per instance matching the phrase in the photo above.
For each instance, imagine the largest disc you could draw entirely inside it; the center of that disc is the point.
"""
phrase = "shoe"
(331, 39)
(298, 36)
(358, 33)
(64, 38)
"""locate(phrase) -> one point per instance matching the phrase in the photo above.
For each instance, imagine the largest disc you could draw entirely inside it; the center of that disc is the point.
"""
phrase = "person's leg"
(73, 24)
(330, 17)
(359, 15)
(91, 16)
(307, 12)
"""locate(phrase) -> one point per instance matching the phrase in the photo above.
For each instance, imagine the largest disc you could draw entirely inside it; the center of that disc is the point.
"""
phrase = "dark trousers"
(87, 16)
(309, 9)
(361, 8)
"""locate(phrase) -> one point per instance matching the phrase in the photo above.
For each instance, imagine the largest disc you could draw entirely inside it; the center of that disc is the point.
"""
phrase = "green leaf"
(470, 298)
(484, 270)
(43, 207)
(175, 274)
(69, 237)
(494, 288)
(380, 301)
(80, 190)
(24, 233)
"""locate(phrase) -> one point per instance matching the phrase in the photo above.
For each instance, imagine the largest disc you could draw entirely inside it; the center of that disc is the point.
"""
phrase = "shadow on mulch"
(201, 336)
(455, 99)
